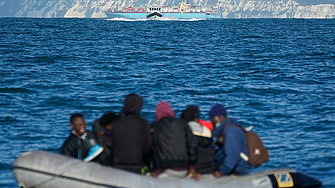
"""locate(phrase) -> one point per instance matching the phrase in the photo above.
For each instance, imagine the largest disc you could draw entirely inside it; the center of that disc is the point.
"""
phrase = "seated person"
(102, 130)
(175, 147)
(131, 138)
(195, 110)
(204, 164)
(81, 143)
(227, 156)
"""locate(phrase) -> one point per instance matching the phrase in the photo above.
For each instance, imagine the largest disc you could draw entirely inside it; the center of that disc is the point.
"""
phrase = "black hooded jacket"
(131, 139)
(104, 138)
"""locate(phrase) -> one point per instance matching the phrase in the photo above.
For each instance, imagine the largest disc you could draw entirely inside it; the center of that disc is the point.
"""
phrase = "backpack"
(258, 154)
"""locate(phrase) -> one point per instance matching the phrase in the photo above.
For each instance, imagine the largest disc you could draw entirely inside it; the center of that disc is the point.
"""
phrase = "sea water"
(275, 74)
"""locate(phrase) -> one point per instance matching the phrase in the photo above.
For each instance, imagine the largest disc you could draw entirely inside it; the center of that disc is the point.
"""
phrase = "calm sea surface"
(275, 74)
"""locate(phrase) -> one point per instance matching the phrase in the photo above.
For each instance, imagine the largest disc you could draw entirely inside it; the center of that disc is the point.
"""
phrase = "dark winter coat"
(104, 139)
(75, 146)
(131, 140)
(205, 163)
(174, 144)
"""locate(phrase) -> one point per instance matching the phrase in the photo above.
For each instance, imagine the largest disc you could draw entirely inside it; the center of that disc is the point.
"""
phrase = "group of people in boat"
(167, 147)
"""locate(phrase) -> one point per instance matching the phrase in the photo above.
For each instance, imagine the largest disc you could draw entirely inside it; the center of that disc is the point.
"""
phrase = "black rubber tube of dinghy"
(300, 180)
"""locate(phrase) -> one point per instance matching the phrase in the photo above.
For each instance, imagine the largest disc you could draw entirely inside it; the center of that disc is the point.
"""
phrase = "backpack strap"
(235, 125)
(220, 140)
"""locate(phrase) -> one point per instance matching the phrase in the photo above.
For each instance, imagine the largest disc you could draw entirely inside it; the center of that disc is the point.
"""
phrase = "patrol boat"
(184, 11)
(154, 12)
(43, 169)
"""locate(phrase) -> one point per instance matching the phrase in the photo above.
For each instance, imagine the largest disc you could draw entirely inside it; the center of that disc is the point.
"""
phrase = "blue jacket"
(229, 154)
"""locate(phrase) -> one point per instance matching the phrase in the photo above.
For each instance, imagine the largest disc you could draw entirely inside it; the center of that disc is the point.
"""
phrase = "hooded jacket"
(174, 144)
(104, 138)
(228, 155)
(205, 163)
(131, 139)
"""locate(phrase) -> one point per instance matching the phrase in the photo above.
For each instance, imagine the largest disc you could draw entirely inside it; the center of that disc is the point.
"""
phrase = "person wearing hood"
(175, 147)
(131, 139)
(204, 164)
(227, 156)
(102, 128)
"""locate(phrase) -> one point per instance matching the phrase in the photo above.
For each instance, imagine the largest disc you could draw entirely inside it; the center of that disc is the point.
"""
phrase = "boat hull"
(45, 169)
(139, 15)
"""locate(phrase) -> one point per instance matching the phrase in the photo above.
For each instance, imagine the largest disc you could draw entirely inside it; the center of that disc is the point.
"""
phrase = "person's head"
(217, 114)
(195, 110)
(78, 124)
(132, 105)
(107, 119)
(163, 109)
(187, 116)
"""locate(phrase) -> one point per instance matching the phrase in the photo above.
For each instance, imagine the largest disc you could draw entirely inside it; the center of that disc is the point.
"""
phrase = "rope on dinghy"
(51, 178)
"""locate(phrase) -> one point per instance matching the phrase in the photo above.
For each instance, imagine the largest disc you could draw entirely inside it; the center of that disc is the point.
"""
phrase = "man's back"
(175, 145)
(130, 141)
(229, 154)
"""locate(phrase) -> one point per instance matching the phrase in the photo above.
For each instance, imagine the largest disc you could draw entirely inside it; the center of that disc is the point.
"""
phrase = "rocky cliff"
(97, 8)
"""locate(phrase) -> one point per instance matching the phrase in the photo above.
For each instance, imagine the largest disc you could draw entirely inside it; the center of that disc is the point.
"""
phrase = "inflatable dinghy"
(45, 169)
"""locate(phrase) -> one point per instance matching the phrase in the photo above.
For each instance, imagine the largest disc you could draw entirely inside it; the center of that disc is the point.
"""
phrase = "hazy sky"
(310, 2)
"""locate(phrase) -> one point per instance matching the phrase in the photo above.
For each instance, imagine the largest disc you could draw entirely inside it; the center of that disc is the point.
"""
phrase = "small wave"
(8, 119)
(5, 166)
(314, 128)
(15, 90)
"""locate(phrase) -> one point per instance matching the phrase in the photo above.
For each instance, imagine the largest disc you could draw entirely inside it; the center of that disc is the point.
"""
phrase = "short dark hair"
(194, 109)
(108, 118)
(187, 115)
(74, 116)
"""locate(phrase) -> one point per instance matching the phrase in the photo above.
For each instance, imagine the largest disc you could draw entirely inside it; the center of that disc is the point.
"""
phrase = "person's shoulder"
(166, 120)
(174, 121)
(179, 120)
(119, 122)
(89, 134)
(70, 138)
(234, 128)
(145, 123)
(96, 126)
(195, 127)
(234, 131)
(205, 133)
(69, 141)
